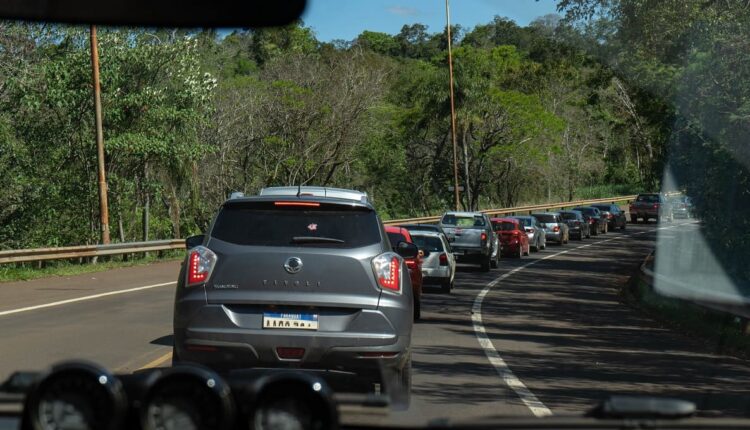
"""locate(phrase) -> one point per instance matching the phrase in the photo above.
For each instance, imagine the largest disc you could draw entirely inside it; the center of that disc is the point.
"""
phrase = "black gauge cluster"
(84, 396)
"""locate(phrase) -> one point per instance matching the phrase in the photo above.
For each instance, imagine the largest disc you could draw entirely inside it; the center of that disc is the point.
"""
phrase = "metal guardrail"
(515, 210)
(67, 252)
(71, 252)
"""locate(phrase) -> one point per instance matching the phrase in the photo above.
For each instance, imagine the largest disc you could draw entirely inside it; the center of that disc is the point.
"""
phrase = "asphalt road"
(543, 334)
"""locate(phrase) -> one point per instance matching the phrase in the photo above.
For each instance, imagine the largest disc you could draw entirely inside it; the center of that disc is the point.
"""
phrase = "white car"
(438, 262)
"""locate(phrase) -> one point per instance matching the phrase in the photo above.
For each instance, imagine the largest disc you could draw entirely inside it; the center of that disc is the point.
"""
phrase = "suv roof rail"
(236, 195)
(338, 193)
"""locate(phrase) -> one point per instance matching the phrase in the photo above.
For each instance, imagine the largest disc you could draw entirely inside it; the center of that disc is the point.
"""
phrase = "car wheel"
(485, 266)
(533, 248)
(544, 244)
(175, 357)
(520, 251)
(493, 263)
(405, 376)
(446, 286)
(623, 226)
(417, 309)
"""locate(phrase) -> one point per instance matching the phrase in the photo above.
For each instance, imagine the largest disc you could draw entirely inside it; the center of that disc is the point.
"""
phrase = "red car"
(400, 234)
(513, 238)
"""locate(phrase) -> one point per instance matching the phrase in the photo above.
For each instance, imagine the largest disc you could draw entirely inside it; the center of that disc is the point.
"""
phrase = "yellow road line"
(159, 361)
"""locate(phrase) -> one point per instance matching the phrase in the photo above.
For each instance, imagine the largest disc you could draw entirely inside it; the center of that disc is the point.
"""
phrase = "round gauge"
(76, 396)
(292, 401)
(188, 400)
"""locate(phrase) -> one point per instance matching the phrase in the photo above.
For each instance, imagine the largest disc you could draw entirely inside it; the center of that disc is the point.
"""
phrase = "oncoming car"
(308, 282)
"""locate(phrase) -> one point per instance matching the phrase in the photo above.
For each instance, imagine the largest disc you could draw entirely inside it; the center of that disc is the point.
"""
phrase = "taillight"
(200, 265)
(656, 205)
(591, 220)
(443, 259)
(484, 236)
(610, 216)
(387, 269)
(411, 263)
(555, 229)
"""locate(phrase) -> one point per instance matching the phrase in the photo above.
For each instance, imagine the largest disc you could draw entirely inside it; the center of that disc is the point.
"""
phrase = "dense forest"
(595, 101)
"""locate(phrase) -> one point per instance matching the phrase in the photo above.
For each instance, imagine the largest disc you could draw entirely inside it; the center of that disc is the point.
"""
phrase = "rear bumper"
(511, 247)
(554, 237)
(470, 254)
(430, 274)
(231, 337)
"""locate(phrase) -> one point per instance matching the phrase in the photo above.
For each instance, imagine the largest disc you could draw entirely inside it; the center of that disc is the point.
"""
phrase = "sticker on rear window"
(312, 227)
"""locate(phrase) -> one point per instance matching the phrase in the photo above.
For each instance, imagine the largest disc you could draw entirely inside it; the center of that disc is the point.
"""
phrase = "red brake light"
(656, 205)
(555, 229)
(387, 269)
(200, 265)
(304, 204)
(443, 259)
(484, 236)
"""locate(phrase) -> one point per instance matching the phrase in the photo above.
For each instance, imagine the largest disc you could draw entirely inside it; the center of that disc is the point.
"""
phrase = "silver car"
(535, 232)
(554, 226)
(438, 262)
(303, 278)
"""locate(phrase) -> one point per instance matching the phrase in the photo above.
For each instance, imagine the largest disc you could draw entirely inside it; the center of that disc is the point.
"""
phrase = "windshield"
(133, 158)
(265, 227)
(546, 218)
(428, 243)
(504, 226)
(463, 220)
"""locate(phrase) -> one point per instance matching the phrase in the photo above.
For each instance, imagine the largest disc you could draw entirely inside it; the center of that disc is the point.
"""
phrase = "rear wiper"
(315, 239)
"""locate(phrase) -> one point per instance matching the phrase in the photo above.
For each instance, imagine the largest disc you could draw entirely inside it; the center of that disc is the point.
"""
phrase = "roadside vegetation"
(582, 104)
(36, 270)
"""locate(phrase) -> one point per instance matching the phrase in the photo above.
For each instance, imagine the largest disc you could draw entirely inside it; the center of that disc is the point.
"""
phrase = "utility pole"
(103, 209)
(453, 108)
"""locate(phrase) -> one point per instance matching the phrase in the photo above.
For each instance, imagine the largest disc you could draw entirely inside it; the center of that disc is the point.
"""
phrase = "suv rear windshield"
(428, 243)
(568, 215)
(327, 226)
(648, 198)
(463, 220)
(395, 238)
(587, 211)
(504, 226)
(546, 218)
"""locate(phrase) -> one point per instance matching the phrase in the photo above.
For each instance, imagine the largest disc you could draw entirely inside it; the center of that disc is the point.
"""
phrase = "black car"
(577, 224)
(594, 218)
(614, 215)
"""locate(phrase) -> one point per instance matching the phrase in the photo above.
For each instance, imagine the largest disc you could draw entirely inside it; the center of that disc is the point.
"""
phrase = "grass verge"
(721, 332)
(28, 271)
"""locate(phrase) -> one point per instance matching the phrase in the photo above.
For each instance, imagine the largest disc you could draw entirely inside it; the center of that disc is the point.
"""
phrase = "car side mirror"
(407, 250)
(193, 241)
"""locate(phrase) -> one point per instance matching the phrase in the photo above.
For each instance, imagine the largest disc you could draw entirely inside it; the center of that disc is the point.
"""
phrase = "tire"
(418, 309)
(405, 376)
(528, 251)
(606, 228)
(446, 286)
(634, 220)
(623, 226)
(544, 244)
(533, 248)
(485, 265)
(494, 262)
(520, 252)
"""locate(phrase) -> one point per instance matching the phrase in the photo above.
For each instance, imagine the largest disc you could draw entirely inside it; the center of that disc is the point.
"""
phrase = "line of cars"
(310, 278)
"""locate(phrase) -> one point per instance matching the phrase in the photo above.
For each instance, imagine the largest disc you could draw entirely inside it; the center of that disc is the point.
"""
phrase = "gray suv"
(300, 278)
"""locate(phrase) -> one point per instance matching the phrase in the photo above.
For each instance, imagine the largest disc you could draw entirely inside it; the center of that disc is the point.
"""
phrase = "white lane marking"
(82, 299)
(527, 397)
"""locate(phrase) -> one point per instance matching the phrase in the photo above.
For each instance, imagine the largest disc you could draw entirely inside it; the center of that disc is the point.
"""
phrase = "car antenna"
(299, 189)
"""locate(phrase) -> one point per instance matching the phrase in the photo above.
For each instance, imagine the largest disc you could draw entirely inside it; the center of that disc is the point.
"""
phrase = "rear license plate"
(290, 321)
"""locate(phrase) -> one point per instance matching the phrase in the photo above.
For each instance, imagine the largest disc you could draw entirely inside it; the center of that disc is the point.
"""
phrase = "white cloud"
(402, 10)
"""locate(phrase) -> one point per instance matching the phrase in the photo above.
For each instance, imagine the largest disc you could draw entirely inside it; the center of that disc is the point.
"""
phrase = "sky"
(346, 19)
